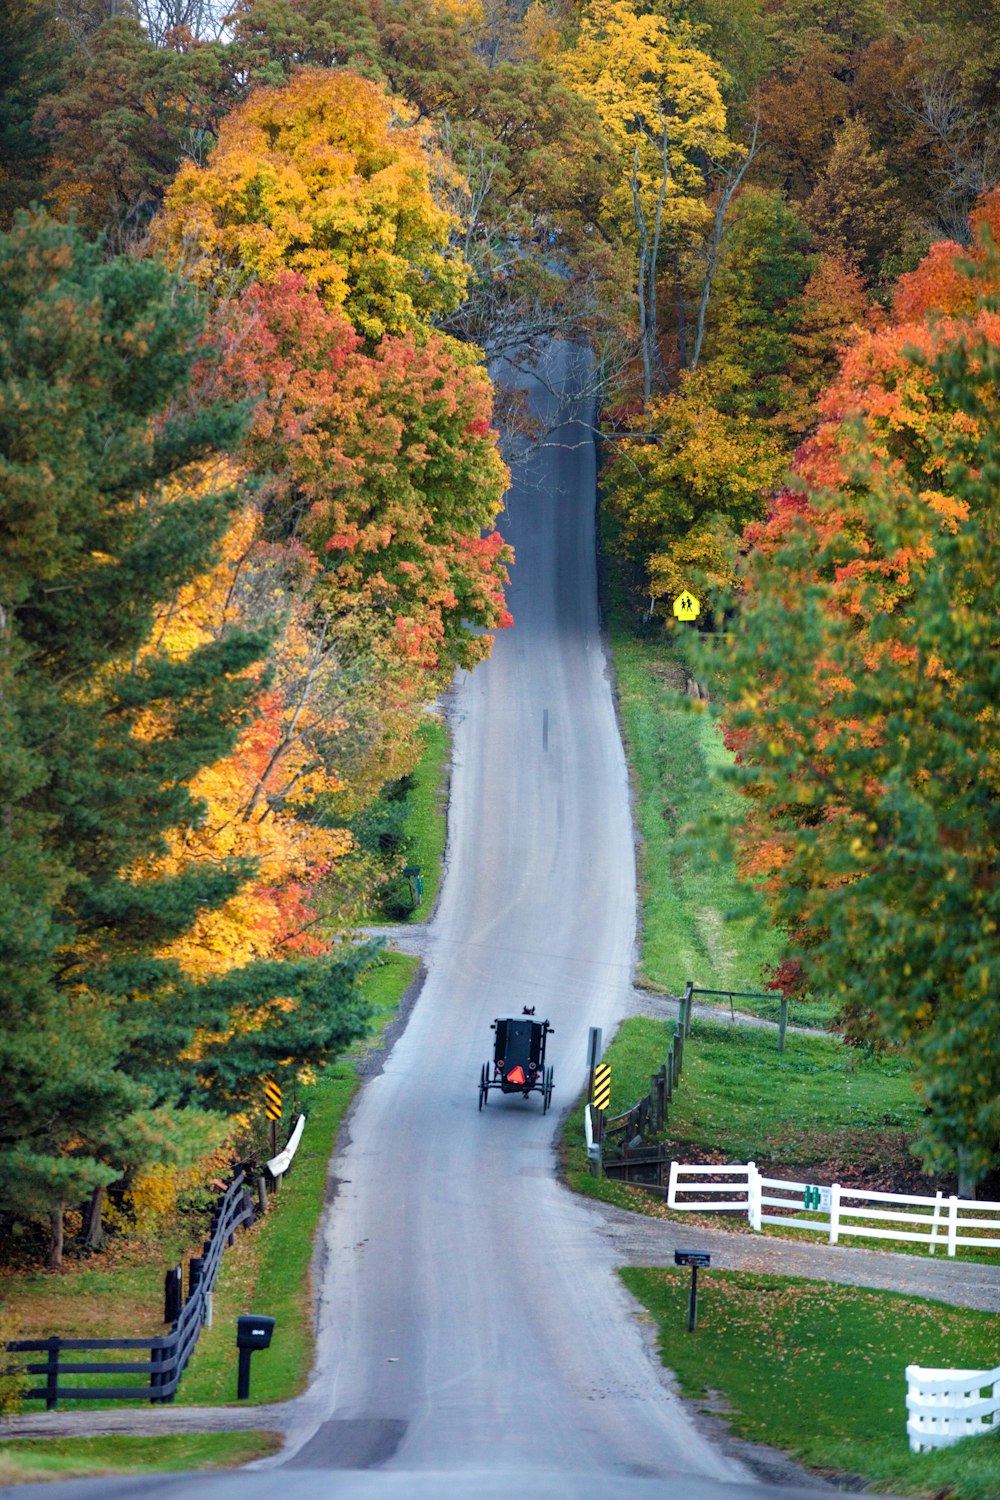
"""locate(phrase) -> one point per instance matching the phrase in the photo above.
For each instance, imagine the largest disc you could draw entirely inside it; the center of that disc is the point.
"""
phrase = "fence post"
(935, 1218)
(686, 1006)
(952, 1224)
(669, 1067)
(782, 1023)
(835, 1213)
(196, 1267)
(679, 1053)
(661, 1095)
(753, 1196)
(52, 1373)
(155, 1378)
(672, 1186)
(173, 1294)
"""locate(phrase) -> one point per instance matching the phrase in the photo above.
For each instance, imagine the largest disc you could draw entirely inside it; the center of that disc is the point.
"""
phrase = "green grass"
(817, 1369)
(426, 820)
(816, 1103)
(699, 920)
(67, 1458)
(269, 1273)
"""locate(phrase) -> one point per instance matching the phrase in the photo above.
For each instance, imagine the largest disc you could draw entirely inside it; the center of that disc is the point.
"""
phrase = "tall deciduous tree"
(658, 96)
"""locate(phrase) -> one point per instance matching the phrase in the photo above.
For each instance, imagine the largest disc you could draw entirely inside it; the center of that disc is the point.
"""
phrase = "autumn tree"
(126, 115)
(853, 211)
(385, 468)
(683, 499)
(659, 99)
(327, 177)
(861, 690)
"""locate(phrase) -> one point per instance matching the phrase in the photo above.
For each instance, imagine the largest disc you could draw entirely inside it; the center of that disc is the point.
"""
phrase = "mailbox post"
(694, 1259)
(251, 1333)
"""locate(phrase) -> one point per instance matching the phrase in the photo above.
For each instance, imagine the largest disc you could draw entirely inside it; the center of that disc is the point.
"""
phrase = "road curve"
(472, 1336)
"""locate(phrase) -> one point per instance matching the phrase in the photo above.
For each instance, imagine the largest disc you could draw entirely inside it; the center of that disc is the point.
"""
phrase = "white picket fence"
(944, 1406)
(933, 1221)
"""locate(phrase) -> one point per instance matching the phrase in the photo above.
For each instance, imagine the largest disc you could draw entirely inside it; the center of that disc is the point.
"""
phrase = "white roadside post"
(753, 1196)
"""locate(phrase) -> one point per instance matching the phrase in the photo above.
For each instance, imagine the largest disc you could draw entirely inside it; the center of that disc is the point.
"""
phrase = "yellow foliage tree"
(331, 177)
(253, 798)
(659, 99)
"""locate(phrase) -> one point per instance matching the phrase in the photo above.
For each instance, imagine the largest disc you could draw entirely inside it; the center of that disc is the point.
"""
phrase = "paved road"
(468, 1307)
(472, 1335)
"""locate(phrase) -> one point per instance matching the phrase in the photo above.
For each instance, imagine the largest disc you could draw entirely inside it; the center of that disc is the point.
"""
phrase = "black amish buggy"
(518, 1065)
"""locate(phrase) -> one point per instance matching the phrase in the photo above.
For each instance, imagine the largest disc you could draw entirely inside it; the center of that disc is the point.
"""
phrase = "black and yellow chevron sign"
(272, 1099)
(602, 1086)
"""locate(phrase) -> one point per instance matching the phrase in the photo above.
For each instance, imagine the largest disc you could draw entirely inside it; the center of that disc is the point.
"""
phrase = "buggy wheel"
(547, 1091)
(482, 1085)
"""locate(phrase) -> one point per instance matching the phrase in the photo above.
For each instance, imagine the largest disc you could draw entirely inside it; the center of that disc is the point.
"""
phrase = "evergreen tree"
(108, 504)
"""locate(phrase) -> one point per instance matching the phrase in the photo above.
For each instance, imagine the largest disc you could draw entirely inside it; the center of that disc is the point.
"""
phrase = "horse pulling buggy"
(518, 1065)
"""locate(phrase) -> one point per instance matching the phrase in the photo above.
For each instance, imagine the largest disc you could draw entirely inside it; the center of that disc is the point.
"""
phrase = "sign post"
(593, 1058)
(694, 1259)
(272, 1109)
(602, 1095)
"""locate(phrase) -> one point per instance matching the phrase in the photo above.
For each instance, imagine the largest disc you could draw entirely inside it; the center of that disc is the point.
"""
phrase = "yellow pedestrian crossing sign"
(602, 1086)
(686, 606)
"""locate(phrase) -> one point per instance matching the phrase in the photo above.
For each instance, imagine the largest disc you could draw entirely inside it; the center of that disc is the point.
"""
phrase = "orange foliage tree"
(862, 693)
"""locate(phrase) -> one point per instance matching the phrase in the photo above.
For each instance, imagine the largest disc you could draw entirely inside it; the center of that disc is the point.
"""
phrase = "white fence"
(944, 1406)
(836, 1210)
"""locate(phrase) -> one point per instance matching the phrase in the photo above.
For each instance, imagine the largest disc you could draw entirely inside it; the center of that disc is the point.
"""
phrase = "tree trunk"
(56, 1224)
(682, 332)
(966, 1179)
(644, 342)
(92, 1232)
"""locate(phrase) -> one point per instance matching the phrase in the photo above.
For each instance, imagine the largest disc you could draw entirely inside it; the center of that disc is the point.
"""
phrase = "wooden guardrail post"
(684, 1013)
(679, 1039)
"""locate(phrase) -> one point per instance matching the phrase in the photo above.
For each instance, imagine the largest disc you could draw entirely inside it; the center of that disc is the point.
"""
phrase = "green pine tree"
(104, 514)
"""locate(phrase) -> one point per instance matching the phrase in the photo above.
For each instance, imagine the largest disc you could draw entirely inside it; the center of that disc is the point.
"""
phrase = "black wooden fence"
(168, 1354)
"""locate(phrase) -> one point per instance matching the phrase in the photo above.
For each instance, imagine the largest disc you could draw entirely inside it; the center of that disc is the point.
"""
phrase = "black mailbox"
(696, 1259)
(692, 1258)
(253, 1332)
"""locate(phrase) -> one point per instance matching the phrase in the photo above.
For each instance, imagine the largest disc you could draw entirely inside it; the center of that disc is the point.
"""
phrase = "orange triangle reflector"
(516, 1075)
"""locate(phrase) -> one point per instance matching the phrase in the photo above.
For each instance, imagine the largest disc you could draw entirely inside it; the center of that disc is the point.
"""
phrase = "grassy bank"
(818, 1370)
(267, 1270)
(699, 921)
(426, 822)
(27, 1459)
(818, 1108)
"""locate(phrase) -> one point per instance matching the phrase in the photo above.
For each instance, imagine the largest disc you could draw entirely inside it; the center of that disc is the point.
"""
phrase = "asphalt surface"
(472, 1336)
